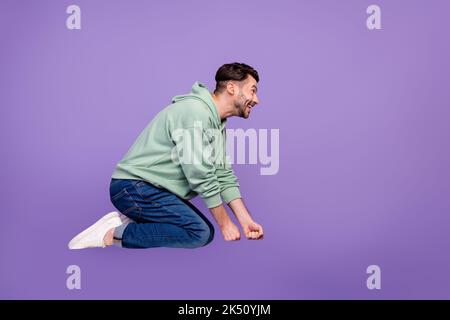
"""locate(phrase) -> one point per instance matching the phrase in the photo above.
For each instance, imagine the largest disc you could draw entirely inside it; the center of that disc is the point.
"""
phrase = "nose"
(256, 99)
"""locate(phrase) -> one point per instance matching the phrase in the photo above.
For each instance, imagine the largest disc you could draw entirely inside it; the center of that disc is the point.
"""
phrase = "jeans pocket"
(125, 203)
(149, 193)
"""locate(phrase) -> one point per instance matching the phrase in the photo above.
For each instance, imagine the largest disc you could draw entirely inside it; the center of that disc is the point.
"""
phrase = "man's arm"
(252, 230)
(231, 195)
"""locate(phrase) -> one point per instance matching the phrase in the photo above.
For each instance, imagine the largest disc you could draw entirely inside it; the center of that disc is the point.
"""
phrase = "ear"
(231, 87)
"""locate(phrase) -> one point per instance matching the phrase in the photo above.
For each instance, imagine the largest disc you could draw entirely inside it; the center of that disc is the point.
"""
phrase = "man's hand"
(230, 231)
(253, 230)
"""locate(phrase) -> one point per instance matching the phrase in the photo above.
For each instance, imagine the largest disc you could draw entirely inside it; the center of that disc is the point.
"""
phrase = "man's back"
(153, 156)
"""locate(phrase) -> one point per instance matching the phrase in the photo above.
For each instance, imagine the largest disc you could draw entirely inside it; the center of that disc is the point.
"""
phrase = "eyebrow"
(255, 87)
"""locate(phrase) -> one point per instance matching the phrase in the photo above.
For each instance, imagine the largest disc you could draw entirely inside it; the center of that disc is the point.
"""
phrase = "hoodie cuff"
(230, 194)
(213, 201)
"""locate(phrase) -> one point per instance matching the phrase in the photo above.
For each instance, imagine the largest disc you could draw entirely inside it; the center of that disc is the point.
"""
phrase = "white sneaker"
(93, 236)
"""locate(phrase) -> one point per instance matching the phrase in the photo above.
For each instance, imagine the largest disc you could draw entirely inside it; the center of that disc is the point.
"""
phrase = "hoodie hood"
(201, 92)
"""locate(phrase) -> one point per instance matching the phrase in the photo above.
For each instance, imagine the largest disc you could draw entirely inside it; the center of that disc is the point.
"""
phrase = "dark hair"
(233, 71)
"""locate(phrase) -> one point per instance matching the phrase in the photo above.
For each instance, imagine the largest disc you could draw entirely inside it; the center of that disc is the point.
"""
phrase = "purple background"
(364, 145)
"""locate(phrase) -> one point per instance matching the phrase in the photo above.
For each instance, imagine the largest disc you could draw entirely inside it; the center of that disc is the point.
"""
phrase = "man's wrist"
(244, 218)
(240, 211)
(225, 222)
(220, 215)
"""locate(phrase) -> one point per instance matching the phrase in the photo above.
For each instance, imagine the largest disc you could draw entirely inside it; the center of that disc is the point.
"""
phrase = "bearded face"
(246, 98)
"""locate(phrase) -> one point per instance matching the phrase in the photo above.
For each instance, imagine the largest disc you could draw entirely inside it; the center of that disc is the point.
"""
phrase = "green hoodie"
(157, 154)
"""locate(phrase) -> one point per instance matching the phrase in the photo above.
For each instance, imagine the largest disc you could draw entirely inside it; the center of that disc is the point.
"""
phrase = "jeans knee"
(210, 237)
(203, 236)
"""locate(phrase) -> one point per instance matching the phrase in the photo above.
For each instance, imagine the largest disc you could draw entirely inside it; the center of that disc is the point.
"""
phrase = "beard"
(242, 106)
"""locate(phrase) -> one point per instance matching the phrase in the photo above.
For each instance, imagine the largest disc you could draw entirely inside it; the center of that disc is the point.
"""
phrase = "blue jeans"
(162, 219)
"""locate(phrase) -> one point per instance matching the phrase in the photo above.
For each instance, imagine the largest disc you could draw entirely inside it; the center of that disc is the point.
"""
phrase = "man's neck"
(224, 108)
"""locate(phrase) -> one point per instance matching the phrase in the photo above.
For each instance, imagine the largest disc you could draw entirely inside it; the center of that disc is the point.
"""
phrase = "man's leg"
(161, 219)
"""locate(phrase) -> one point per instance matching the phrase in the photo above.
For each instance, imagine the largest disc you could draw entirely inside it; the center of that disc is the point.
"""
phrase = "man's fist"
(230, 232)
(253, 231)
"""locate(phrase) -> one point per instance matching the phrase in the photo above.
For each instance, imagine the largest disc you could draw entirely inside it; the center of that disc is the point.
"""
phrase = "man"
(180, 154)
